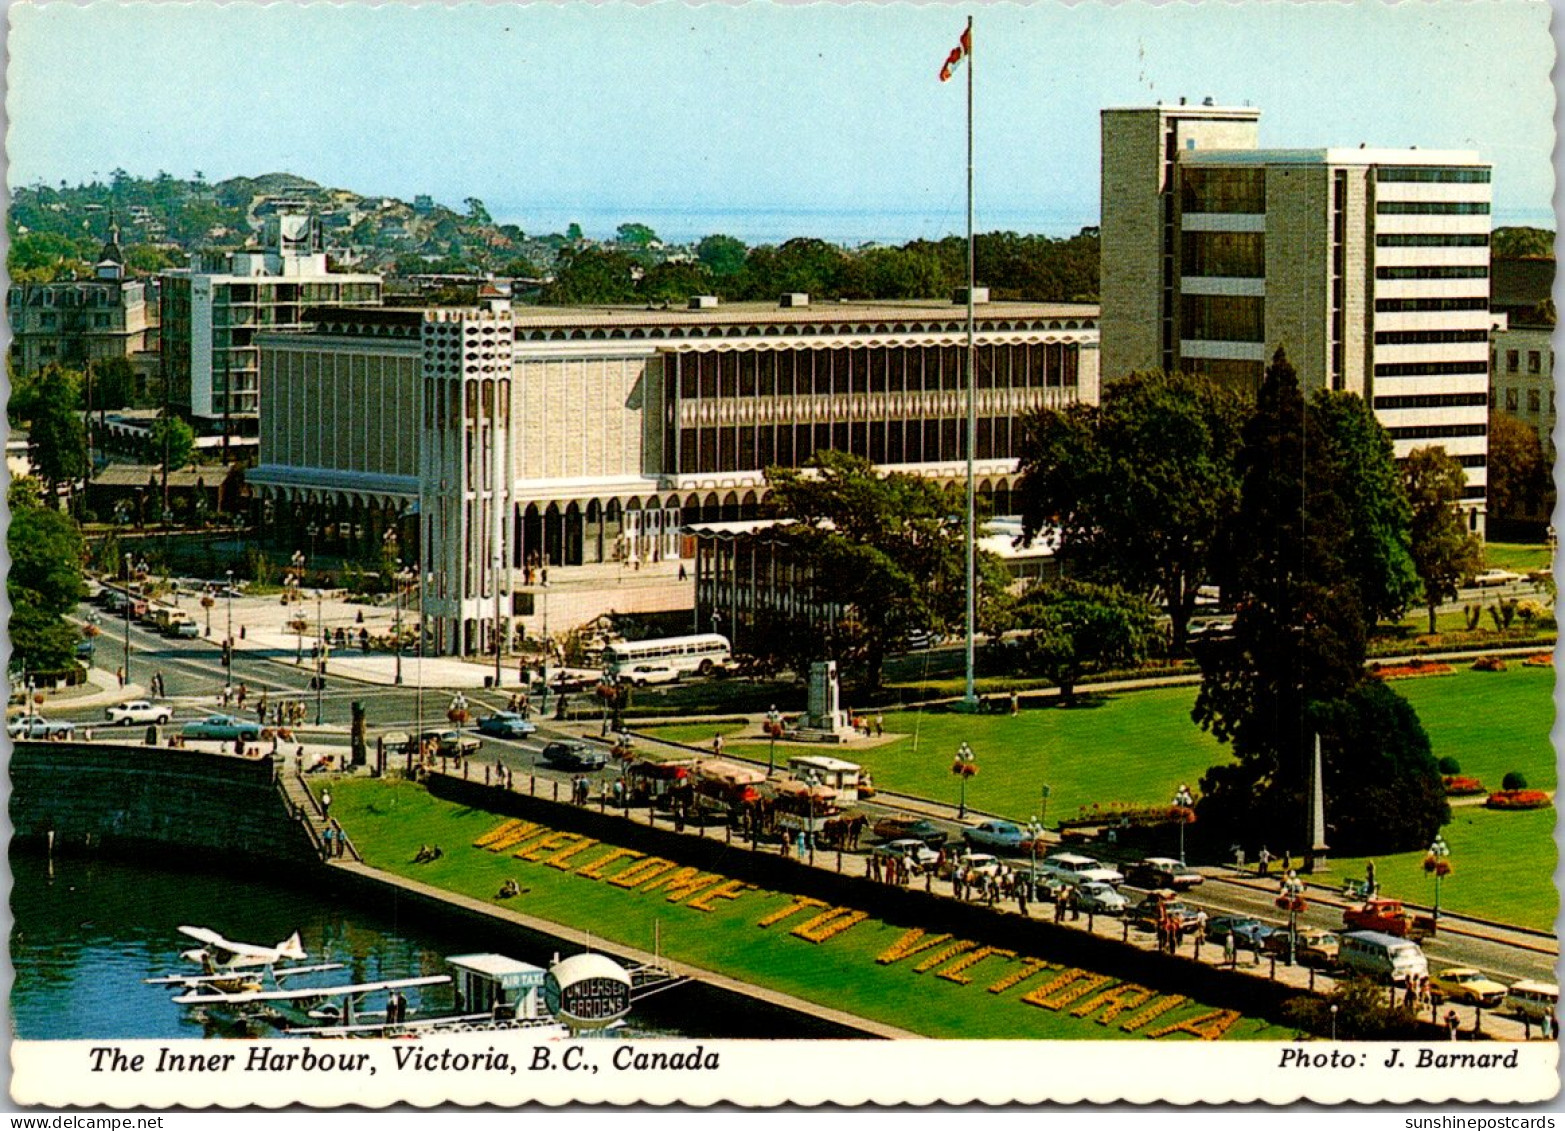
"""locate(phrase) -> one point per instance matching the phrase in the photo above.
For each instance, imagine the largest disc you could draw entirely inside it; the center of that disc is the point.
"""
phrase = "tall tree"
(1444, 551)
(56, 436)
(1519, 475)
(1141, 488)
(1073, 628)
(882, 549)
(1358, 456)
(593, 275)
(722, 255)
(1299, 636)
(170, 443)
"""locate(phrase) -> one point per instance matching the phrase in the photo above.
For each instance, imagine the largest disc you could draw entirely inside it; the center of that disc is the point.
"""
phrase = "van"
(1533, 1000)
(1383, 957)
(1073, 869)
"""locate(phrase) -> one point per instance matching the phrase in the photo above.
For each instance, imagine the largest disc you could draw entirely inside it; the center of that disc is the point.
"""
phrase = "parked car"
(912, 850)
(901, 828)
(574, 756)
(1315, 947)
(139, 711)
(453, 743)
(1100, 899)
(644, 675)
(1386, 958)
(999, 836)
(1492, 577)
(222, 727)
(979, 863)
(1145, 914)
(1074, 869)
(36, 726)
(84, 650)
(1162, 872)
(1242, 926)
(506, 724)
(1464, 984)
(187, 629)
(1533, 1000)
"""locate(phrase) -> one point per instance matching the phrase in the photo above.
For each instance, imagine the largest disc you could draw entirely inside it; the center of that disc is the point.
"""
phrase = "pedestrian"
(327, 836)
(1369, 879)
(241, 694)
(1230, 949)
(682, 573)
(119, 674)
(1287, 861)
(880, 725)
(325, 801)
(717, 745)
(1452, 1022)
(1016, 704)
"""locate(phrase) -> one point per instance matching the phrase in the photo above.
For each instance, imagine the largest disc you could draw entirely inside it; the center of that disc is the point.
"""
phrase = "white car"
(978, 863)
(1100, 899)
(1074, 869)
(1491, 577)
(644, 674)
(913, 851)
(36, 726)
(139, 711)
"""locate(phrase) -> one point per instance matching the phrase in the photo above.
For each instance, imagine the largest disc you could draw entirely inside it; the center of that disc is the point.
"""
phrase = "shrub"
(1449, 765)
(1489, 664)
(1363, 1013)
(1513, 780)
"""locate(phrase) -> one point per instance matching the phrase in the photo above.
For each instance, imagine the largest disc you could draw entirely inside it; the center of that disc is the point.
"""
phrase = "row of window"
(1431, 368)
(1429, 239)
(1433, 174)
(1428, 305)
(1433, 400)
(1534, 400)
(1224, 254)
(751, 448)
(1431, 272)
(1223, 318)
(1222, 190)
(1534, 361)
(886, 369)
(1432, 207)
(1437, 431)
(1428, 337)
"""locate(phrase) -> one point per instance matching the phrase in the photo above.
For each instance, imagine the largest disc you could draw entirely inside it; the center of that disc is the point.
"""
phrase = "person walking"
(326, 803)
(1265, 860)
(1230, 950)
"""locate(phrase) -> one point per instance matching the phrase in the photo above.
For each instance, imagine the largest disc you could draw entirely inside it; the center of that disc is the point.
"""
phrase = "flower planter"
(1518, 799)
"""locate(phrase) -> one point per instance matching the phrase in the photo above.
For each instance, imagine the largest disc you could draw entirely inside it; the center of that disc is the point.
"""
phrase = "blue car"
(506, 724)
(222, 727)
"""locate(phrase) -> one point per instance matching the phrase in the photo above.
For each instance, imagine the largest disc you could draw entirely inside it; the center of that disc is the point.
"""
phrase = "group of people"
(284, 712)
(868, 727)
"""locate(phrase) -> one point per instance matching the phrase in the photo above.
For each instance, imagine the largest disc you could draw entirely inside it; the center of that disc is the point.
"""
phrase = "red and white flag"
(963, 48)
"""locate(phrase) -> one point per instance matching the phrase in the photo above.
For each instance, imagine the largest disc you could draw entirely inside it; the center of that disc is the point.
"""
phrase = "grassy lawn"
(1490, 722)
(694, 734)
(390, 820)
(1502, 868)
(1518, 557)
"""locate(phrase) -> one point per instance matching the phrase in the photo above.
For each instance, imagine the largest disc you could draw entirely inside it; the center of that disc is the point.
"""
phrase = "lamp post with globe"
(773, 728)
(1182, 803)
(1437, 862)
(964, 767)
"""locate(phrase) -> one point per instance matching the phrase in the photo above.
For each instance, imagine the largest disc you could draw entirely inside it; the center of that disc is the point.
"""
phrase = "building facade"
(77, 322)
(564, 438)
(212, 312)
(1370, 267)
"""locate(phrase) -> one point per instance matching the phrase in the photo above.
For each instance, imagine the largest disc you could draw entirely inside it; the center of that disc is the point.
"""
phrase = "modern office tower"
(1370, 267)
(213, 310)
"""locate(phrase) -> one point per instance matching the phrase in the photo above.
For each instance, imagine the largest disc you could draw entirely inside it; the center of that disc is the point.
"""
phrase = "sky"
(793, 119)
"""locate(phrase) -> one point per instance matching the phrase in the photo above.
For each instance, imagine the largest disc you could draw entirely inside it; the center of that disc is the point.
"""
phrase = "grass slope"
(390, 820)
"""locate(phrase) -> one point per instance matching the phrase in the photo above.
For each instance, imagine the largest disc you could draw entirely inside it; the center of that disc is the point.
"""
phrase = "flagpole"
(971, 696)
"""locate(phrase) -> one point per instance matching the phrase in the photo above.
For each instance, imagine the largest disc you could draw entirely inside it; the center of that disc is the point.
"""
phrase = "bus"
(703, 654)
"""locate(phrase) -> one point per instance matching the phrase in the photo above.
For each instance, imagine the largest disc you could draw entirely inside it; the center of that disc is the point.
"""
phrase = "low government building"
(493, 445)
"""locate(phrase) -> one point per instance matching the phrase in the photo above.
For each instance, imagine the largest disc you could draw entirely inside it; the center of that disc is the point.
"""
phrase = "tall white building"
(213, 310)
(1370, 267)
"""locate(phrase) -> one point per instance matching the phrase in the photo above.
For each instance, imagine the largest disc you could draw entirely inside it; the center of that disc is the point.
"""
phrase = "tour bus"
(704, 654)
(842, 778)
(1533, 1000)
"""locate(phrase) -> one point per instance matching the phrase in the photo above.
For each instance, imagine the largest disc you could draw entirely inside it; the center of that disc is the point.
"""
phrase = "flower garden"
(843, 957)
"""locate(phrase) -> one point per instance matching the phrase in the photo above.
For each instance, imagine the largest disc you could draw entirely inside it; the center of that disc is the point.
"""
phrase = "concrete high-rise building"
(1370, 267)
(213, 310)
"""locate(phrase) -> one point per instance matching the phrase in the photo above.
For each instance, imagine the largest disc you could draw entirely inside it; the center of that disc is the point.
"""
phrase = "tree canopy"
(170, 443)
(45, 580)
(1071, 629)
(887, 551)
(1141, 487)
(1443, 550)
(1520, 478)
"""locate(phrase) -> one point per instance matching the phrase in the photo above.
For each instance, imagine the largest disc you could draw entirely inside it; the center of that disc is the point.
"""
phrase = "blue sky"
(811, 110)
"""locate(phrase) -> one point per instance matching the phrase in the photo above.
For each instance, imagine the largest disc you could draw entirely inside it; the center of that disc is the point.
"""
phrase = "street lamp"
(1438, 861)
(402, 580)
(773, 725)
(811, 780)
(1293, 892)
(1182, 802)
(230, 668)
(965, 766)
(320, 663)
(1334, 1021)
(1034, 834)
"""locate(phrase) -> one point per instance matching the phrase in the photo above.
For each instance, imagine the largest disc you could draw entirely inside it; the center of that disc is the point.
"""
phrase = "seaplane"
(321, 1010)
(235, 967)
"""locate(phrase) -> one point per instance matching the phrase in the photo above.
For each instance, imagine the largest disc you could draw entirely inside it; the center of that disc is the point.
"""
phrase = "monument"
(824, 720)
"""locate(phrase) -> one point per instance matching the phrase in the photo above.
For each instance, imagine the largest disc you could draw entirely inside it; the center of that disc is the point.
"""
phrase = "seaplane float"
(583, 994)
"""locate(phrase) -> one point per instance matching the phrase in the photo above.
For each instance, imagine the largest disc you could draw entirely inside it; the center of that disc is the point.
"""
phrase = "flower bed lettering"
(1080, 994)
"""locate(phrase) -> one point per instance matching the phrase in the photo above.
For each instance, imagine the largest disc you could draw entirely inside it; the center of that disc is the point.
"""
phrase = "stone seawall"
(155, 799)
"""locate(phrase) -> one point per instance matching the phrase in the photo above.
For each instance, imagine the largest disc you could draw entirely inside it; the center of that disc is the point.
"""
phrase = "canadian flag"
(963, 48)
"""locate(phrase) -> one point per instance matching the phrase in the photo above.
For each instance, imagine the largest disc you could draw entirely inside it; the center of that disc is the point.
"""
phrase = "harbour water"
(87, 931)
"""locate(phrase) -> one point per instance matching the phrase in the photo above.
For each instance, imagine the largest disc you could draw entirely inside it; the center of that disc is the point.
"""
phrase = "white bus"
(702, 654)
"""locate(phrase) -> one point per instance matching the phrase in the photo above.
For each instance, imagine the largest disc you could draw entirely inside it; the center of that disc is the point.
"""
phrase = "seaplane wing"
(225, 952)
(279, 973)
(245, 998)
